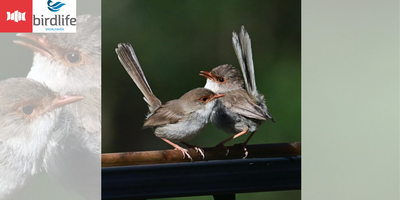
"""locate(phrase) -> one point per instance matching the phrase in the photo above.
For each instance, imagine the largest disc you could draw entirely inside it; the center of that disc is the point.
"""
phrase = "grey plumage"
(242, 48)
(242, 109)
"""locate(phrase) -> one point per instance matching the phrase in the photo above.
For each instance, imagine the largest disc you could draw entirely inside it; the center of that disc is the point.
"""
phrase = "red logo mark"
(16, 16)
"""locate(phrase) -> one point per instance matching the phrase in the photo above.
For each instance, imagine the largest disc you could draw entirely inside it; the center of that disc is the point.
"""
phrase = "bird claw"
(198, 149)
(186, 152)
(224, 147)
(201, 151)
(246, 152)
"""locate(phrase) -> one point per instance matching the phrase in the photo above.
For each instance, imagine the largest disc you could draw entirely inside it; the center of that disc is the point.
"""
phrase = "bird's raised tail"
(128, 59)
(242, 47)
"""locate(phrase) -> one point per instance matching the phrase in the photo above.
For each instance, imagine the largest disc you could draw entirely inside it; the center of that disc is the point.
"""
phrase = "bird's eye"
(221, 79)
(73, 57)
(204, 99)
(28, 109)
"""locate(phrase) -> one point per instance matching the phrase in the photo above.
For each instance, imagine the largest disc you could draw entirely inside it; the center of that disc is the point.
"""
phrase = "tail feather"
(128, 59)
(242, 47)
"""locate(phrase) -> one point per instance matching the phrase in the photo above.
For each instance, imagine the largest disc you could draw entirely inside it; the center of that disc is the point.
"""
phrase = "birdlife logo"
(55, 7)
(38, 16)
(16, 16)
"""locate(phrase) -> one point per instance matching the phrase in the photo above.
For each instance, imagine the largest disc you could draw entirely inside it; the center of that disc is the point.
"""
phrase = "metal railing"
(269, 167)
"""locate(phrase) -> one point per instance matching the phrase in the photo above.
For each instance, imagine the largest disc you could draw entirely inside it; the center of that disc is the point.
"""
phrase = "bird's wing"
(247, 106)
(169, 113)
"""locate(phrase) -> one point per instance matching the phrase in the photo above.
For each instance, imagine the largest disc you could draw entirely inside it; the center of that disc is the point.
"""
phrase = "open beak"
(35, 42)
(206, 74)
(64, 100)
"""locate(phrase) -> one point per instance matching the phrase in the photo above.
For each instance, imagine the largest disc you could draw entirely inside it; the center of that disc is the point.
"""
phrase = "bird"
(70, 63)
(29, 115)
(177, 120)
(243, 108)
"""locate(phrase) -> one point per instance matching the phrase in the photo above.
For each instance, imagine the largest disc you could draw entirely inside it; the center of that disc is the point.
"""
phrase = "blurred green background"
(174, 41)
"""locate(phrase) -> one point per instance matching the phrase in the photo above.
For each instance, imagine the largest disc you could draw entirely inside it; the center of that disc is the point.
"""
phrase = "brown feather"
(169, 113)
(247, 108)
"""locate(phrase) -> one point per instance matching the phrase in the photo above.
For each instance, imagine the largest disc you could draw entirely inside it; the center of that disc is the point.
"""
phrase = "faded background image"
(174, 41)
(16, 62)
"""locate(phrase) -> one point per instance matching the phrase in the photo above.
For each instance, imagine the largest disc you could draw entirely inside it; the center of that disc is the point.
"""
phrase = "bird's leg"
(184, 151)
(198, 149)
(248, 139)
(244, 144)
(221, 144)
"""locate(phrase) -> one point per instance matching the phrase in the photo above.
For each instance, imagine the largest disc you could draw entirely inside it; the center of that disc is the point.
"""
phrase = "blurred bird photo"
(67, 64)
(70, 64)
(30, 114)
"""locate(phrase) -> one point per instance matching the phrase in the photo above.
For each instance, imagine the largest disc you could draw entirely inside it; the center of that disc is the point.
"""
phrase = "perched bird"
(29, 116)
(70, 63)
(243, 108)
(177, 120)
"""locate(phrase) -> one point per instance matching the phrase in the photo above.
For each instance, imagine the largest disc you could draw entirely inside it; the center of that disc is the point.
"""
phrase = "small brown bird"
(177, 120)
(243, 108)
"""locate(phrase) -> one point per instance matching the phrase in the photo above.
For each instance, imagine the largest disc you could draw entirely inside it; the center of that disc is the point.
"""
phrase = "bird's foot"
(201, 151)
(185, 153)
(221, 145)
(198, 149)
(243, 145)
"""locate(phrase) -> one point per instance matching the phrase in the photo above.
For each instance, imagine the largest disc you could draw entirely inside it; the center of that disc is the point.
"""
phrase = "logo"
(16, 16)
(54, 16)
(55, 7)
(38, 16)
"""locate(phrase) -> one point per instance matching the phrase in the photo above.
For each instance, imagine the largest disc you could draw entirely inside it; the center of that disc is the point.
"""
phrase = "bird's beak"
(216, 96)
(64, 100)
(207, 75)
(35, 42)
